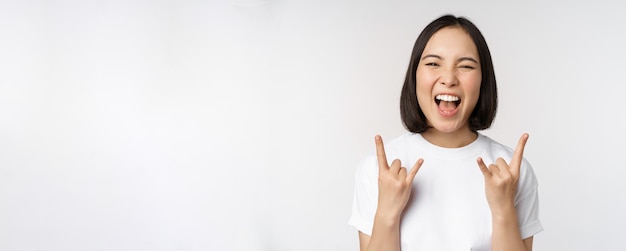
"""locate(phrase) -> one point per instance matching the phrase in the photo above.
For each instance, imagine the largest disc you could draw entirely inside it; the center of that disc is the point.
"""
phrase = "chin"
(446, 130)
(448, 127)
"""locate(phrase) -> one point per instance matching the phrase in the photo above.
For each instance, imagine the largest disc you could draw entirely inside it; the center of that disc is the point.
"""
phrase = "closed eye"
(467, 67)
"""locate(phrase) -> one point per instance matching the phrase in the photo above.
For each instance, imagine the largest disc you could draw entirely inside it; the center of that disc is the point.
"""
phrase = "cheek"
(423, 92)
(421, 88)
(424, 83)
(472, 85)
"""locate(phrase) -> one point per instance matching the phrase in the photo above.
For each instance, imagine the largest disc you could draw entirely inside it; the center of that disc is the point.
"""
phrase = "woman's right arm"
(394, 189)
(385, 236)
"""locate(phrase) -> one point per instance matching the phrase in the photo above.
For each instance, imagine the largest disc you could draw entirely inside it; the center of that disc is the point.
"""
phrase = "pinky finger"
(483, 167)
(415, 168)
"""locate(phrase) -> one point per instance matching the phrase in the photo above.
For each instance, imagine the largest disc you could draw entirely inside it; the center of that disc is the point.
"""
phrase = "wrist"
(504, 214)
(387, 219)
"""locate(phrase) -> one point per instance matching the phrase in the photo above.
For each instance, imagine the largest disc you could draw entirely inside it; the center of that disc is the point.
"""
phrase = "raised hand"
(501, 178)
(394, 182)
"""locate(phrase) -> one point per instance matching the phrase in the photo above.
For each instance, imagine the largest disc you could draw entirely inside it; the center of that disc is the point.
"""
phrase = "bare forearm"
(385, 234)
(506, 234)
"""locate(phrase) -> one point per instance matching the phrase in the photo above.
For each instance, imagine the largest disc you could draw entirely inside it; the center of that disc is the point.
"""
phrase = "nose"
(448, 78)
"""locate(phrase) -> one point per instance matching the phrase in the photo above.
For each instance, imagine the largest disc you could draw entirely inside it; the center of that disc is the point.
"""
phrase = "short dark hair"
(485, 111)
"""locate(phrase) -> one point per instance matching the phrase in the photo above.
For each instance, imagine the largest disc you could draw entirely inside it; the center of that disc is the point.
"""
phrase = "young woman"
(464, 191)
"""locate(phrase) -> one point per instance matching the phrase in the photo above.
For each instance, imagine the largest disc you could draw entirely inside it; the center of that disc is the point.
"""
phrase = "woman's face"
(448, 80)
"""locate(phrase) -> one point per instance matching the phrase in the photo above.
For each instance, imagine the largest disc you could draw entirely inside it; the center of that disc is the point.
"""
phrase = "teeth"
(448, 98)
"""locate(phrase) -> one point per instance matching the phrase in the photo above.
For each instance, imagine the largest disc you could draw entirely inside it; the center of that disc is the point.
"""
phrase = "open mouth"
(447, 102)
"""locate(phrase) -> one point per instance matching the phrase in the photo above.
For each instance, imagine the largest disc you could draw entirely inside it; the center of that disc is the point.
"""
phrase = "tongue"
(447, 106)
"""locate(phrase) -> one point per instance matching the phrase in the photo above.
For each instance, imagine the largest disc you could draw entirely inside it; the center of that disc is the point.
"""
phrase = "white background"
(238, 125)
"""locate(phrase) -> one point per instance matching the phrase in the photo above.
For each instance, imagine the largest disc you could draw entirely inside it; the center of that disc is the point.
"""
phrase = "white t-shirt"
(448, 208)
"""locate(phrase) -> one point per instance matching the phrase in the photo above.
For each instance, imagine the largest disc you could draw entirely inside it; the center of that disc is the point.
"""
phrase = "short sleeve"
(527, 202)
(365, 198)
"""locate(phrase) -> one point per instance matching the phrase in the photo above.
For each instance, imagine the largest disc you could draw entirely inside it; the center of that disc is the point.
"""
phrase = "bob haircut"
(485, 111)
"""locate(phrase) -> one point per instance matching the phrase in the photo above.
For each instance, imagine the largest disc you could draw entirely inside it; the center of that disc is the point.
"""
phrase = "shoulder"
(495, 148)
(398, 146)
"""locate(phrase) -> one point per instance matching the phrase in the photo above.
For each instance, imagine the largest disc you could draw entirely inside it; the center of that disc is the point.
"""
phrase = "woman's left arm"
(501, 181)
(506, 232)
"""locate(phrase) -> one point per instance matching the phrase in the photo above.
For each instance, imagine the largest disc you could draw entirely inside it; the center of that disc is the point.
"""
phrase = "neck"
(456, 139)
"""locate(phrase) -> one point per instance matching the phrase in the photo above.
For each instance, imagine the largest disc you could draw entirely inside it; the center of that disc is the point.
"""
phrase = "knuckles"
(394, 182)
(396, 163)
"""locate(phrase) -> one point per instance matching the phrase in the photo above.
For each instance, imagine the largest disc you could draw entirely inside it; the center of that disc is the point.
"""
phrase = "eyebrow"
(467, 58)
(459, 60)
(431, 56)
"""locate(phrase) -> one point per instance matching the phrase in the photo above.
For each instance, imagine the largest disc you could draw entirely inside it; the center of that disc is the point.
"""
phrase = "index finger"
(518, 155)
(380, 152)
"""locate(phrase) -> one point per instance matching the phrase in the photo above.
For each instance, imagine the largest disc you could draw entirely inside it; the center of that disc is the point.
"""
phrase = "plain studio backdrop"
(238, 125)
